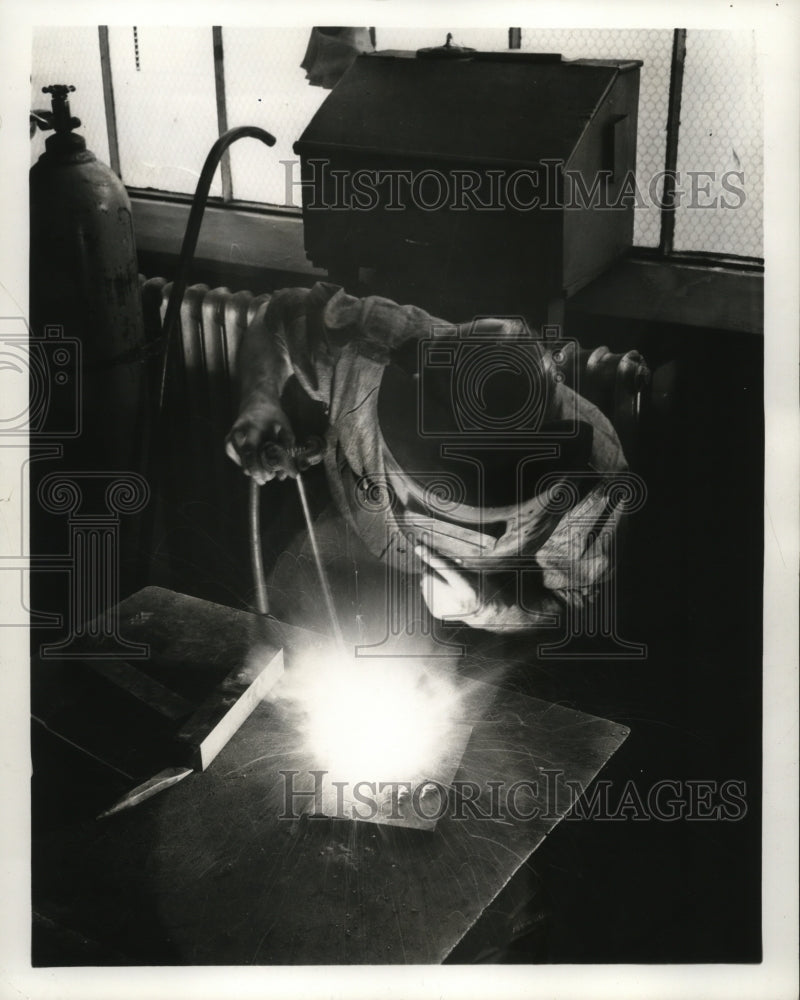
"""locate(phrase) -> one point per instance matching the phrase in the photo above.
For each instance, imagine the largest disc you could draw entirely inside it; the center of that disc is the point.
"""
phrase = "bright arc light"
(374, 719)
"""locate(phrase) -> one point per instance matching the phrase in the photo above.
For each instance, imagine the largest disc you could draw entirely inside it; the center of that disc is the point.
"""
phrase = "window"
(654, 49)
(71, 55)
(721, 135)
(168, 90)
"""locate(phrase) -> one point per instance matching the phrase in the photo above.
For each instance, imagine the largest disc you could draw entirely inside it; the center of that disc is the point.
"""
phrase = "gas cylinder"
(84, 290)
(85, 313)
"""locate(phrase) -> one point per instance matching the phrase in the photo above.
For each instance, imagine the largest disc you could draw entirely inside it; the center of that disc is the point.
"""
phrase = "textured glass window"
(71, 56)
(167, 119)
(654, 49)
(721, 134)
(166, 105)
(265, 86)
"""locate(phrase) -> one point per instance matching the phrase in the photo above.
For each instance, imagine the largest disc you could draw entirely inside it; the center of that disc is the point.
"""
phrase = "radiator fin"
(204, 493)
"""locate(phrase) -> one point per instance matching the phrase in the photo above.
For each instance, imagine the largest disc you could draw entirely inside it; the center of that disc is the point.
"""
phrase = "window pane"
(166, 105)
(264, 85)
(70, 55)
(721, 132)
(654, 48)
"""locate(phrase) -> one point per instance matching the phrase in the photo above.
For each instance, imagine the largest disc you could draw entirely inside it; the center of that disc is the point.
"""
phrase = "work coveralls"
(560, 542)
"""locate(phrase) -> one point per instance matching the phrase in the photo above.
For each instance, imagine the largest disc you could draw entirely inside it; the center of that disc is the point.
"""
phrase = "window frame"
(665, 250)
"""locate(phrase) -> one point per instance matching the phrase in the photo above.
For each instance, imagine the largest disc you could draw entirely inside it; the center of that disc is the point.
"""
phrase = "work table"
(207, 873)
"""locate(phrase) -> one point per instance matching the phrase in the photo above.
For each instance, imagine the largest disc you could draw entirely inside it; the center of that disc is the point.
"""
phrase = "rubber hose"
(199, 202)
(256, 556)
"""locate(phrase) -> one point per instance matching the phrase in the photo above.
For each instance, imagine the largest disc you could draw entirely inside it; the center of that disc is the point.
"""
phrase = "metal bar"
(108, 100)
(212, 725)
(222, 112)
(164, 779)
(671, 155)
(323, 579)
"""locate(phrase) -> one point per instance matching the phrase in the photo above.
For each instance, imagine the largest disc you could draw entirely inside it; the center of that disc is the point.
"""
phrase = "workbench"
(207, 873)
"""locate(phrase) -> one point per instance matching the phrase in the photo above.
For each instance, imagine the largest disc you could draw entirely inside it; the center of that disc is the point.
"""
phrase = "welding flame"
(373, 718)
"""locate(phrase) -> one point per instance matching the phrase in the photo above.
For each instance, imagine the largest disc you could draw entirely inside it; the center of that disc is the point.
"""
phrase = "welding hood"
(480, 432)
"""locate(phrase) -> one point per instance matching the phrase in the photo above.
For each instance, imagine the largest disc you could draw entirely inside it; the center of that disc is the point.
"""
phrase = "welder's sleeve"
(377, 325)
(381, 326)
(264, 361)
(578, 559)
(314, 325)
(303, 331)
(576, 562)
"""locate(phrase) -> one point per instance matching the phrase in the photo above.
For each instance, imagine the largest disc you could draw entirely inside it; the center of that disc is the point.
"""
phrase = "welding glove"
(453, 594)
(262, 442)
(447, 590)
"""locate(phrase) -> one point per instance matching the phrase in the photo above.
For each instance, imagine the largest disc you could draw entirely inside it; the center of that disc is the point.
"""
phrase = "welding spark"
(373, 718)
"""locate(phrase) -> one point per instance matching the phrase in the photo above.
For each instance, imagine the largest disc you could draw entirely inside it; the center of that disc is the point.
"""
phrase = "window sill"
(673, 292)
(263, 252)
(233, 244)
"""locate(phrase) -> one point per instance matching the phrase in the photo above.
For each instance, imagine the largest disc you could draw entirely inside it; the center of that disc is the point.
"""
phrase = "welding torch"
(298, 459)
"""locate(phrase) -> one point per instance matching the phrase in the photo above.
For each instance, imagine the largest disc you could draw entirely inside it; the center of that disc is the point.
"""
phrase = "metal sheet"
(138, 684)
(211, 873)
(415, 802)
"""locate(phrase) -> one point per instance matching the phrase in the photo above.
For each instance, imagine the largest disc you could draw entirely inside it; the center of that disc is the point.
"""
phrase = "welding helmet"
(477, 422)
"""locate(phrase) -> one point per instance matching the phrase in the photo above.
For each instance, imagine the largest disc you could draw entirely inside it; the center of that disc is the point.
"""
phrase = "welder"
(467, 430)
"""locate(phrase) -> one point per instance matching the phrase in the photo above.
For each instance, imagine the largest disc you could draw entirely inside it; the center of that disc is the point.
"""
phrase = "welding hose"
(256, 555)
(188, 247)
(199, 202)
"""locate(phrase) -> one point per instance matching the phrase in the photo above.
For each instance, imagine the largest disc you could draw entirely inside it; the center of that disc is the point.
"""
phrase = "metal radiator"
(199, 543)
(212, 323)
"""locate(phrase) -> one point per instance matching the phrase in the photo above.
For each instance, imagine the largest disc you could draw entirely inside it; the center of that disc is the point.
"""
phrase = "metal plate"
(217, 871)
(415, 802)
